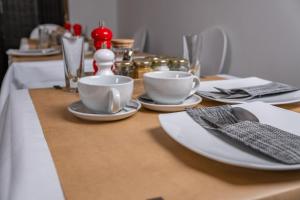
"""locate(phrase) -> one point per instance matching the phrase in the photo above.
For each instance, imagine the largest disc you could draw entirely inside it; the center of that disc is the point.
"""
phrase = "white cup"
(105, 94)
(170, 87)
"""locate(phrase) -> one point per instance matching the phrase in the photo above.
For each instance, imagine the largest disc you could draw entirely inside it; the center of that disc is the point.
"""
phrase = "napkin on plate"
(273, 142)
(251, 92)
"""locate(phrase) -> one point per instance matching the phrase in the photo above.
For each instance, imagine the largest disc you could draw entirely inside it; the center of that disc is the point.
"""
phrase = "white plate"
(182, 128)
(79, 110)
(190, 102)
(286, 98)
(33, 52)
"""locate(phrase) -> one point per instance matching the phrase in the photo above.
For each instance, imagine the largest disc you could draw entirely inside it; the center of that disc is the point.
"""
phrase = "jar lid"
(182, 60)
(157, 61)
(163, 61)
(177, 61)
(141, 62)
(123, 64)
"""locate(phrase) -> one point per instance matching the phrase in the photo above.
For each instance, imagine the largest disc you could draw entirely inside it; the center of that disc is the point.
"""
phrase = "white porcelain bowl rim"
(154, 75)
(84, 80)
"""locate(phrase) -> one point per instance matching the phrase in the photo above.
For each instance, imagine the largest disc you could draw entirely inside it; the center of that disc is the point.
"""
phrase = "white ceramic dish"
(170, 87)
(33, 53)
(183, 129)
(105, 94)
(190, 102)
(287, 98)
(79, 110)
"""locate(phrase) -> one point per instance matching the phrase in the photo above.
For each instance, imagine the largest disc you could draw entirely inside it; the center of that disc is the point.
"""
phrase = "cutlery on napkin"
(146, 98)
(251, 92)
(271, 141)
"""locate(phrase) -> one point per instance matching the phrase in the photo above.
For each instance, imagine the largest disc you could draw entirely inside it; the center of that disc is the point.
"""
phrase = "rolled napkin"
(268, 140)
(250, 92)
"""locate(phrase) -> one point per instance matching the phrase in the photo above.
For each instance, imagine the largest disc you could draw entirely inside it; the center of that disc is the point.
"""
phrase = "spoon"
(225, 91)
(129, 106)
(243, 115)
(58, 87)
(240, 113)
(146, 98)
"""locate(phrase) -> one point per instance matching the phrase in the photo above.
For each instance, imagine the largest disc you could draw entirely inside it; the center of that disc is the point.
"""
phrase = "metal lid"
(123, 64)
(157, 61)
(176, 61)
(142, 62)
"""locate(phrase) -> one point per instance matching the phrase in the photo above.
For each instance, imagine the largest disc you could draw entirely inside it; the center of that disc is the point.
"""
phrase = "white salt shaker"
(104, 60)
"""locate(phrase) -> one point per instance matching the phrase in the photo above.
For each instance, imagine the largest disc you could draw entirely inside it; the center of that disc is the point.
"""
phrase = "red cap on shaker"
(102, 37)
(67, 26)
(77, 29)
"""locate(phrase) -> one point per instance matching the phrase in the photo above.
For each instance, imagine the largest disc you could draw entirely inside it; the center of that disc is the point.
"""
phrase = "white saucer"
(79, 110)
(190, 102)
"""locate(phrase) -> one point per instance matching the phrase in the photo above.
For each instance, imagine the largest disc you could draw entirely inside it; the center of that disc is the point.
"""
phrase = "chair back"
(35, 32)
(140, 38)
(212, 51)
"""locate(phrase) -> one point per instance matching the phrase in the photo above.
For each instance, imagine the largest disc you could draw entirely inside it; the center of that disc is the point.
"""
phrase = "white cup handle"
(196, 84)
(114, 100)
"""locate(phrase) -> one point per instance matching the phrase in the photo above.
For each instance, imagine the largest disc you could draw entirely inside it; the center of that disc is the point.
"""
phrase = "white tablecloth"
(27, 171)
(43, 74)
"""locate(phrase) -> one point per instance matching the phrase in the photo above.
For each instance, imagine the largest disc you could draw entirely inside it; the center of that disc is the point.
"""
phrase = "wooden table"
(135, 159)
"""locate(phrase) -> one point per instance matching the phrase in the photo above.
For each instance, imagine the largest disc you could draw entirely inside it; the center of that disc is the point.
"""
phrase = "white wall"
(88, 12)
(264, 35)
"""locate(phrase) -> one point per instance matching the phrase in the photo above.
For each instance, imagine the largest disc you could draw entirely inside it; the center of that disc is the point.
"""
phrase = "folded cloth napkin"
(250, 92)
(273, 142)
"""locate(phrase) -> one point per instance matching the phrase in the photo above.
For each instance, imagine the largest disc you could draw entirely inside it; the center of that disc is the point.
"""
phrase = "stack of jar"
(160, 63)
(138, 67)
(125, 68)
(135, 69)
(142, 66)
(179, 64)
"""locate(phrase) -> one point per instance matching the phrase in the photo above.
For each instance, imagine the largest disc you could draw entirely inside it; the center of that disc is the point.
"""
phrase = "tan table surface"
(135, 159)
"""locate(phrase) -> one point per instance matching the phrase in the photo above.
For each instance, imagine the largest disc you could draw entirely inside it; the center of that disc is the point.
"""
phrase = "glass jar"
(160, 63)
(125, 68)
(179, 64)
(123, 49)
(142, 66)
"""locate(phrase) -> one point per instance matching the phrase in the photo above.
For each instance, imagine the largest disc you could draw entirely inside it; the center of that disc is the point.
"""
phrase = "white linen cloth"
(27, 170)
(41, 74)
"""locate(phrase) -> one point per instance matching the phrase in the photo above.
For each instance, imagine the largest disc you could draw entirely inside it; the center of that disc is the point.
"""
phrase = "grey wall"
(264, 35)
(88, 12)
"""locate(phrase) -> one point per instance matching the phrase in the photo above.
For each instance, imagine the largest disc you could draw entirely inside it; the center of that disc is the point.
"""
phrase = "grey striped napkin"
(273, 142)
(251, 92)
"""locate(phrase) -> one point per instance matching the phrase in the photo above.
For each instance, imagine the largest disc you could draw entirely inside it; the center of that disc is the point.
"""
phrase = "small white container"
(104, 60)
